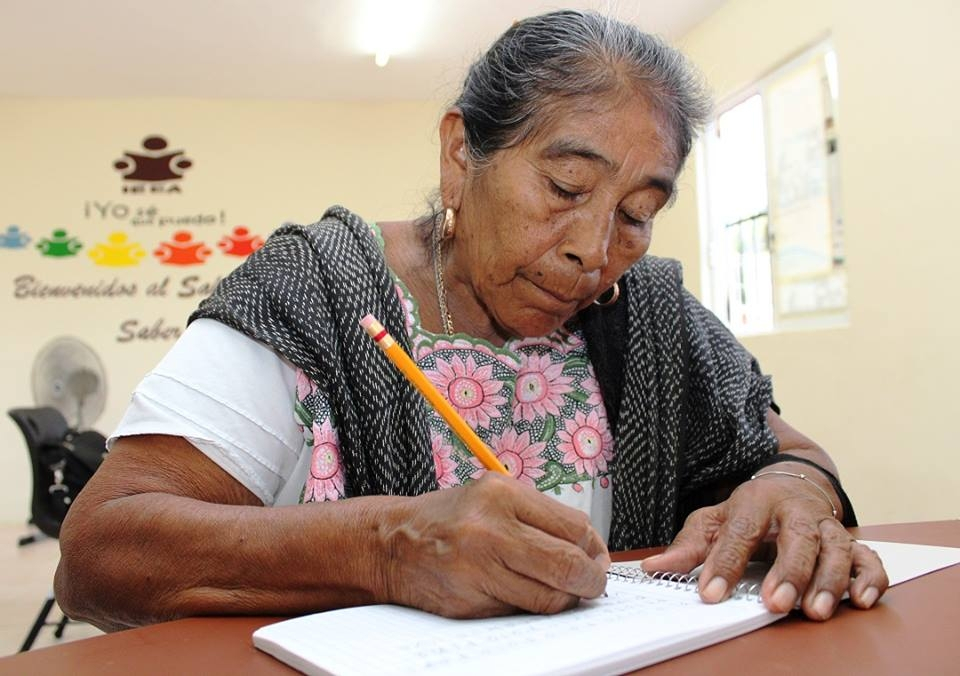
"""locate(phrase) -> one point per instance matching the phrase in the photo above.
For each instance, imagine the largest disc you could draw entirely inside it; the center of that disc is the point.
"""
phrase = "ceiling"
(268, 49)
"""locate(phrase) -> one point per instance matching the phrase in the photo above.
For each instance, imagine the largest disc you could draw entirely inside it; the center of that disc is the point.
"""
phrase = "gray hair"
(541, 61)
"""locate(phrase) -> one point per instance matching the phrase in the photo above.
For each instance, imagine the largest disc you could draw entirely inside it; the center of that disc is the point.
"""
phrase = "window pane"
(770, 186)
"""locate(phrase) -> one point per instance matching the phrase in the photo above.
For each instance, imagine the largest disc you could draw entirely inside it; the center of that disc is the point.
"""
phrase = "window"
(771, 228)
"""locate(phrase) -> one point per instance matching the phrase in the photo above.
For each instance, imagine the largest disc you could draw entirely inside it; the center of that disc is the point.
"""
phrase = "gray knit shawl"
(689, 404)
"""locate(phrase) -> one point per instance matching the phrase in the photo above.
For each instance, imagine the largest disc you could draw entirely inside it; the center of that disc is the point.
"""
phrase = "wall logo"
(154, 169)
(14, 238)
(59, 244)
(182, 250)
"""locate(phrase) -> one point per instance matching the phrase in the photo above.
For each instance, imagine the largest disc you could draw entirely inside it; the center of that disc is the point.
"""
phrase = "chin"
(534, 325)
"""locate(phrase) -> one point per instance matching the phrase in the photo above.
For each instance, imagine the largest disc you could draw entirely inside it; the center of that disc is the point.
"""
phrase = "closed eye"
(562, 192)
(631, 220)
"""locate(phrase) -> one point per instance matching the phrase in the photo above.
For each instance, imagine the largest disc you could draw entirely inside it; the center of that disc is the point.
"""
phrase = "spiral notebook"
(644, 619)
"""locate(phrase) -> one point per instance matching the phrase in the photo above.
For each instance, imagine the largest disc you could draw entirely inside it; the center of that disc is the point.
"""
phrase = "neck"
(468, 313)
(410, 253)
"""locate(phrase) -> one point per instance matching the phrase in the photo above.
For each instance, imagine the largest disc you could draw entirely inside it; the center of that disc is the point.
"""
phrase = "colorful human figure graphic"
(182, 250)
(14, 238)
(154, 163)
(59, 244)
(117, 252)
(240, 243)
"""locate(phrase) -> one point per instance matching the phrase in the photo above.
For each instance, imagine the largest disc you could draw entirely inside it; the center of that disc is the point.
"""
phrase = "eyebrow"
(566, 147)
(562, 148)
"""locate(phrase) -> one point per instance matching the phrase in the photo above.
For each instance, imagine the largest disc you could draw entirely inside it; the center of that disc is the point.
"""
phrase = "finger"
(532, 596)
(495, 592)
(798, 549)
(832, 574)
(549, 543)
(547, 515)
(556, 564)
(869, 577)
(737, 539)
(514, 591)
(689, 548)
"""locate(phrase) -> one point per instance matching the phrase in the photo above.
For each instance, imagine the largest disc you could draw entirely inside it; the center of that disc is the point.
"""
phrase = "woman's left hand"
(817, 560)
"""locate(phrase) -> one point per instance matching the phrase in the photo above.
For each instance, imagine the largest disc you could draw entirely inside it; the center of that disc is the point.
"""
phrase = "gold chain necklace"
(438, 278)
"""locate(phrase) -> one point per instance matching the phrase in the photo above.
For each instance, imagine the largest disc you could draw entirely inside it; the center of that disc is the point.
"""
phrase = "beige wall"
(255, 163)
(878, 395)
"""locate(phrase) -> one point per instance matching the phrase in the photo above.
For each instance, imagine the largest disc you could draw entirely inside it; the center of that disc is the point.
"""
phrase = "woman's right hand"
(492, 547)
(185, 538)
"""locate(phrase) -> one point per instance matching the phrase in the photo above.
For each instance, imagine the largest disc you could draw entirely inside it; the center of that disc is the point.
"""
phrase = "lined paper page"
(635, 625)
(904, 562)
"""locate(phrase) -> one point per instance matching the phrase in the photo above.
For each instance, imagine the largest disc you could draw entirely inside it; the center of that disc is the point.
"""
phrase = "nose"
(587, 240)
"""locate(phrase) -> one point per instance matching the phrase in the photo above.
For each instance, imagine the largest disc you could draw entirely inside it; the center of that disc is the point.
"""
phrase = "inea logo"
(155, 168)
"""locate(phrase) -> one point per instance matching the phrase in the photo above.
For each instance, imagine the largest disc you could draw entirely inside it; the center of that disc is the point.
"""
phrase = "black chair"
(61, 462)
(45, 430)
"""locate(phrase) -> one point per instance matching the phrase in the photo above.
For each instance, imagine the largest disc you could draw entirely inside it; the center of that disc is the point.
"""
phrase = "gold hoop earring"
(449, 224)
(613, 292)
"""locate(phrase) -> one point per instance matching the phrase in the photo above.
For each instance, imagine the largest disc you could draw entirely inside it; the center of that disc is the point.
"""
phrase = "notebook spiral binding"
(747, 590)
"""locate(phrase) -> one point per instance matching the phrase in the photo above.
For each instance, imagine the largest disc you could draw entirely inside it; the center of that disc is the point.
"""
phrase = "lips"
(553, 301)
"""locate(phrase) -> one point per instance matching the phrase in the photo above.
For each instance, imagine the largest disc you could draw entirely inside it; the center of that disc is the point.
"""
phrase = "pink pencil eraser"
(373, 328)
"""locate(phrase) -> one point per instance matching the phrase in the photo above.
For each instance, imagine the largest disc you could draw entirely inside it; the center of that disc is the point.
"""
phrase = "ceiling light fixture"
(390, 27)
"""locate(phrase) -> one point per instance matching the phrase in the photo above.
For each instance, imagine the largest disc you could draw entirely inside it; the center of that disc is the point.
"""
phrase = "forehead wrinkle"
(563, 148)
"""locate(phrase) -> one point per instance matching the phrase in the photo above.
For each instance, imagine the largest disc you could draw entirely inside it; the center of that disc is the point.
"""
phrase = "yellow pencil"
(417, 378)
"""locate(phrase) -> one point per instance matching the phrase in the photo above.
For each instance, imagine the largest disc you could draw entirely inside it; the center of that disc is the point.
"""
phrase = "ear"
(453, 158)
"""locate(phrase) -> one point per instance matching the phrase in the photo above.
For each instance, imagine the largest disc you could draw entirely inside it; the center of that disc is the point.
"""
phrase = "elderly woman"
(627, 415)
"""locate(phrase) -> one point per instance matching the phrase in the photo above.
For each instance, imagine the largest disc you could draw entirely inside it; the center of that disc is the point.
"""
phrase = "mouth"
(553, 301)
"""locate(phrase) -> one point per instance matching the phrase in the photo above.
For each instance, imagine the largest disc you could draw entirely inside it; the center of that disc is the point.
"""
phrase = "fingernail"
(869, 597)
(823, 604)
(603, 559)
(716, 590)
(785, 596)
(652, 559)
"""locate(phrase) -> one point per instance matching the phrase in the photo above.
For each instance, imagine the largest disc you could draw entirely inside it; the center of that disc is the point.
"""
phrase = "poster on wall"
(801, 204)
(142, 244)
(800, 198)
(101, 296)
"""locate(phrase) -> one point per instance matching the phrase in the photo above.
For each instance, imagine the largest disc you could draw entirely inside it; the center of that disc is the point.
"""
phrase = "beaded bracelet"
(802, 477)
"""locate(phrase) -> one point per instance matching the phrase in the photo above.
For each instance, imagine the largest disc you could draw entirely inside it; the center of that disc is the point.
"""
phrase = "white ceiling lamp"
(390, 27)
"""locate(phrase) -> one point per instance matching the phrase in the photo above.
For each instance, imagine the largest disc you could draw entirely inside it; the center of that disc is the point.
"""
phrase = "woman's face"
(551, 224)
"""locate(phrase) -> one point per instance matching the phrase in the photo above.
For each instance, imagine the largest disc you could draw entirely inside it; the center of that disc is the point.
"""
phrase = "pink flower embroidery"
(305, 386)
(446, 466)
(326, 472)
(407, 305)
(521, 458)
(470, 388)
(540, 387)
(591, 386)
(586, 443)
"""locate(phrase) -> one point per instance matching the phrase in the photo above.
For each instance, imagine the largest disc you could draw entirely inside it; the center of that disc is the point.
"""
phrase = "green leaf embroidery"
(553, 477)
(303, 415)
(549, 429)
(574, 364)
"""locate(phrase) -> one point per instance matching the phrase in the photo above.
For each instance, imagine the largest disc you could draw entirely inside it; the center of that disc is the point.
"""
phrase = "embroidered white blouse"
(535, 402)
